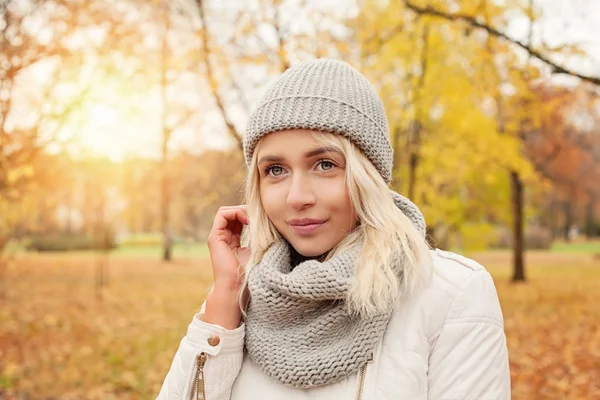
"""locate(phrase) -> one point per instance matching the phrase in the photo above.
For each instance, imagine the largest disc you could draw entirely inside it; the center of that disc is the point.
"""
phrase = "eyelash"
(268, 169)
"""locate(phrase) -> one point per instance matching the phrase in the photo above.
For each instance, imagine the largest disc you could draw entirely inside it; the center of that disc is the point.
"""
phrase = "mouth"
(306, 226)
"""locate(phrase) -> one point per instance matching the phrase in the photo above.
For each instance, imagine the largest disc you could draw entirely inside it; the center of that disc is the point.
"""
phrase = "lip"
(306, 226)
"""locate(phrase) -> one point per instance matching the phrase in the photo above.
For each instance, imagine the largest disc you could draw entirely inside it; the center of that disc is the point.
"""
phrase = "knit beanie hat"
(325, 95)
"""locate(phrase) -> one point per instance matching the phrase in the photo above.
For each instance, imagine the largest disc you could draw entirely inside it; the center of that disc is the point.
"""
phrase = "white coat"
(446, 342)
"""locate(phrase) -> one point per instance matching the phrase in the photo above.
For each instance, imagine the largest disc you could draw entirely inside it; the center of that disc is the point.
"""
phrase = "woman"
(337, 295)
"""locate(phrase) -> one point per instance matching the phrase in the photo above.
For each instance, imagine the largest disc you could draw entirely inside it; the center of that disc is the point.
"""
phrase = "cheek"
(336, 195)
(347, 210)
(272, 202)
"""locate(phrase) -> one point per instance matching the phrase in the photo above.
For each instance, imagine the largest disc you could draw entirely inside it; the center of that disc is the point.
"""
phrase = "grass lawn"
(62, 338)
(577, 247)
(195, 250)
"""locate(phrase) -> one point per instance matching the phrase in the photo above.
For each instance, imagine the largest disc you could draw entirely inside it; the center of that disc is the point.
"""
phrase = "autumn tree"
(565, 150)
(452, 80)
(440, 98)
(44, 87)
(244, 48)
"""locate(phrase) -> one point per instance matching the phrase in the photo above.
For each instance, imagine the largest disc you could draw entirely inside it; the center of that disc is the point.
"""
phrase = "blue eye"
(326, 165)
(275, 170)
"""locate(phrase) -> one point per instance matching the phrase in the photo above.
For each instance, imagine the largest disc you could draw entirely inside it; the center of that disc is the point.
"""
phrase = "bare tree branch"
(374, 42)
(416, 130)
(212, 81)
(285, 63)
(472, 21)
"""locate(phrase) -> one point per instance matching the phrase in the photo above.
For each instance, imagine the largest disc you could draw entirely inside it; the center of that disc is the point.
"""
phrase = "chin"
(312, 247)
(311, 252)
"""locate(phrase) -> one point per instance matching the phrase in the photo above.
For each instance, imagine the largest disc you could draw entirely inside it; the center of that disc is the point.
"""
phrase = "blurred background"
(120, 136)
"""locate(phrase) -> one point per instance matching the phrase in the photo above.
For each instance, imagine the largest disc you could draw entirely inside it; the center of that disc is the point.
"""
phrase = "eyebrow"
(308, 154)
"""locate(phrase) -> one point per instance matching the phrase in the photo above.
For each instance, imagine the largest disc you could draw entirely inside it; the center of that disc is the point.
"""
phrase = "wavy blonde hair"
(382, 230)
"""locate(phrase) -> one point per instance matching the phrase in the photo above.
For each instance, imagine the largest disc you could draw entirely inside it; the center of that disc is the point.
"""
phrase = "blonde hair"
(382, 231)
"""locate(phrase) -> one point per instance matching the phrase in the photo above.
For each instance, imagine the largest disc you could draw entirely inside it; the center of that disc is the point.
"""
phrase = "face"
(303, 191)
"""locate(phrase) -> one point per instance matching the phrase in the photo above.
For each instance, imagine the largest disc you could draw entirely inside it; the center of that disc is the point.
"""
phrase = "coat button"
(214, 340)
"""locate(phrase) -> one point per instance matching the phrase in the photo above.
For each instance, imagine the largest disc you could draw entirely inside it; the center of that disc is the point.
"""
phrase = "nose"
(301, 193)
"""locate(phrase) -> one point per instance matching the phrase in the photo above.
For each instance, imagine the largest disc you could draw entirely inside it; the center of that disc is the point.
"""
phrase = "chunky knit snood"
(298, 329)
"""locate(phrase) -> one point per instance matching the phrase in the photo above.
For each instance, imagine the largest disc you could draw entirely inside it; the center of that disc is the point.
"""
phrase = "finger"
(224, 217)
(238, 207)
(242, 208)
(235, 240)
(239, 216)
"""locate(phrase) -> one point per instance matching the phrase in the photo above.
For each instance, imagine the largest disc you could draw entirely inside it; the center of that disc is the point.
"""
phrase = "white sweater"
(446, 342)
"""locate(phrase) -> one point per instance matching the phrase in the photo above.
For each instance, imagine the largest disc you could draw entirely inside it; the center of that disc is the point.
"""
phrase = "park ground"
(61, 337)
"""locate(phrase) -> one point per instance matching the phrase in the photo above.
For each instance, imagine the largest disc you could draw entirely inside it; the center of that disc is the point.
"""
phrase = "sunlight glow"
(102, 132)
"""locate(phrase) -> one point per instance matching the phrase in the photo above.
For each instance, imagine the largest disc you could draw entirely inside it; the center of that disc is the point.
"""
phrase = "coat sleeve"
(224, 351)
(469, 358)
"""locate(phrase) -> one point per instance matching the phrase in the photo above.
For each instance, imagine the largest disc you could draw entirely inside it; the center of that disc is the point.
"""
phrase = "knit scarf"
(298, 329)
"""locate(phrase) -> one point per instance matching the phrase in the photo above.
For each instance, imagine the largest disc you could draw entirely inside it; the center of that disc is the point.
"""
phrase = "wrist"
(223, 308)
(222, 297)
(226, 288)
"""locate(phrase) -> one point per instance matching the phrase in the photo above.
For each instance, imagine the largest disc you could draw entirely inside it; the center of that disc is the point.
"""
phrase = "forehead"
(288, 141)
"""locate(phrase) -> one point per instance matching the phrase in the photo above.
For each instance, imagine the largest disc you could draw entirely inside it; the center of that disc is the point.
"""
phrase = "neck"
(298, 258)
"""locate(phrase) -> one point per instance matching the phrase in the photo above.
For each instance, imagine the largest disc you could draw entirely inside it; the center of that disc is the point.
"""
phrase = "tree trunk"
(590, 218)
(568, 210)
(518, 188)
(415, 130)
(518, 245)
(166, 231)
(412, 175)
(3, 268)
(101, 245)
(166, 134)
(554, 223)
(99, 269)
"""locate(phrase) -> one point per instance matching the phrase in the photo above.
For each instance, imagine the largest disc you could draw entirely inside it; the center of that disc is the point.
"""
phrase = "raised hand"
(227, 256)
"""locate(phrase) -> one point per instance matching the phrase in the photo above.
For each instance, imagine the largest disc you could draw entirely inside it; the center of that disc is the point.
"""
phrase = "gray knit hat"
(325, 95)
